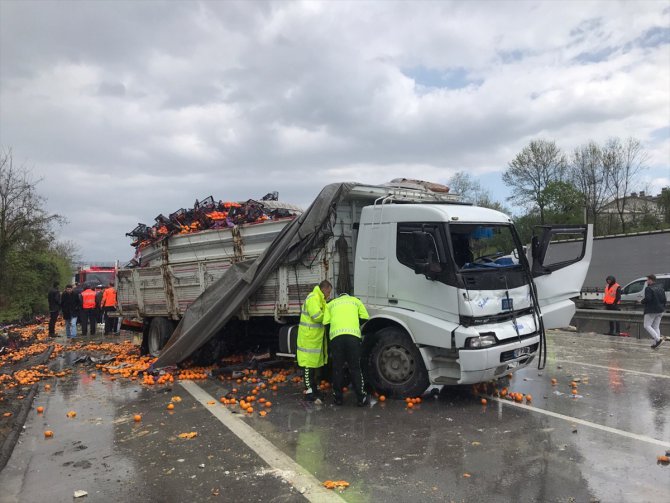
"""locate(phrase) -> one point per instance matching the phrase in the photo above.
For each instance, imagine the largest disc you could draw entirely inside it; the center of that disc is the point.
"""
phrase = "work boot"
(337, 400)
(657, 344)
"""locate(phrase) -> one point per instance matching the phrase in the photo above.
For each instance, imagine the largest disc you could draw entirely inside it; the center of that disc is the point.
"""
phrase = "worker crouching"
(345, 315)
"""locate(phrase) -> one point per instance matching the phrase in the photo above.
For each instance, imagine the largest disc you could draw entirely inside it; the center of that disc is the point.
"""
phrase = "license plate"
(507, 304)
(521, 352)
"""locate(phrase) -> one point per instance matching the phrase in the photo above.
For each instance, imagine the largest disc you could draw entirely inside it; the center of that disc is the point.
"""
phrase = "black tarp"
(221, 301)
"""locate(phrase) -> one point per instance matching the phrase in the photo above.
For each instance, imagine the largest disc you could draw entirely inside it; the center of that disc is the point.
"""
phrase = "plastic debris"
(80, 493)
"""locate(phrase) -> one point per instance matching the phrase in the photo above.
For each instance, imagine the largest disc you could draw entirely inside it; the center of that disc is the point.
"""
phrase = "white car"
(635, 289)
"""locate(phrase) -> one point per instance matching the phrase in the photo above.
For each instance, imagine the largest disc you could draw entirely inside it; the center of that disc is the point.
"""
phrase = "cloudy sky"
(131, 109)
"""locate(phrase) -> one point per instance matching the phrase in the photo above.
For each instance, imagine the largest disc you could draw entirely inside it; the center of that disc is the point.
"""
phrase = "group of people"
(331, 330)
(654, 305)
(84, 303)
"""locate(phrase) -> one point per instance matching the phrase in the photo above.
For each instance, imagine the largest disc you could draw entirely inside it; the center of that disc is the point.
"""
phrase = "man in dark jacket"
(654, 305)
(70, 304)
(54, 308)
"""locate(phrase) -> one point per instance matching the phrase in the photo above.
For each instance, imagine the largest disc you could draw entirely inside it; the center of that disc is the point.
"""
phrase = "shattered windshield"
(484, 246)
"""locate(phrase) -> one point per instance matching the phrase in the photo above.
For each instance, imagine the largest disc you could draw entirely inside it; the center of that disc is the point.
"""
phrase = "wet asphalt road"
(599, 446)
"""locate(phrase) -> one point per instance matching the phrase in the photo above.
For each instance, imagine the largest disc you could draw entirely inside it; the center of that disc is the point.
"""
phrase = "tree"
(587, 172)
(463, 184)
(623, 163)
(532, 170)
(28, 259)
(563, 203)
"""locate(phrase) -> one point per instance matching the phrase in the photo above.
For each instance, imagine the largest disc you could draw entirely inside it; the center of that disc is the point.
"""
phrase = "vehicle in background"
(634, 291)
(95, 275)
(452, 295)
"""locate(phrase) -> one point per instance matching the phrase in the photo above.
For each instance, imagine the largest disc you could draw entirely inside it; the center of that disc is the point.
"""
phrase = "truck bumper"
(491, 363)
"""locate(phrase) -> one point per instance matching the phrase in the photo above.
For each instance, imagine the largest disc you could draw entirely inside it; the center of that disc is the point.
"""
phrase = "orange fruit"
(223, 399)
(274, 388)
(417, 399)
(268, 404)
(573, 384)
(262, 413)
(250, 409)
(93, 376)
(554, 382)
(47, 387)
(71, 414)
(382, 398)
(529, 398)
(410, 405)
(137, 418)
(170, 406)
(40, 409)
(574, 391)
(48, 434)
(484, 402)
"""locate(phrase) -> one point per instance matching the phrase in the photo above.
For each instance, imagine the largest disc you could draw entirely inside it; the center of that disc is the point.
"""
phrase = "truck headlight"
(483, 341)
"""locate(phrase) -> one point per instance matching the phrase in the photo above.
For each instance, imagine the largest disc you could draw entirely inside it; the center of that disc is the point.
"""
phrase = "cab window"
(634, 287)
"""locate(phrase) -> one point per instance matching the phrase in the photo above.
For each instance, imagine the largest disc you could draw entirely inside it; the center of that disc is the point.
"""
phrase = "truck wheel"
(395, 365)
(160, 331)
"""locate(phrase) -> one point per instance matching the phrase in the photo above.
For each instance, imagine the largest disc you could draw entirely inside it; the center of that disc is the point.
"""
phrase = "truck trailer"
(454, 296)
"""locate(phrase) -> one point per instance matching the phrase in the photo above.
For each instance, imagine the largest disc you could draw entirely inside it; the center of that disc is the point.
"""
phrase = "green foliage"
(29, 276)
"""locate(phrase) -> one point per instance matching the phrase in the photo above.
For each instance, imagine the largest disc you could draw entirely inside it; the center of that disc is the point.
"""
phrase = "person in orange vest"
(108, 305)
(88, 310)
(612, 299)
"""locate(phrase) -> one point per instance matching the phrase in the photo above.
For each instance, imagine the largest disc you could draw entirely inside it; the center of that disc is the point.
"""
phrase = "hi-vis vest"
(108, 297)
(88, 299)
(343, 316)
(610, 294)
(311, 350)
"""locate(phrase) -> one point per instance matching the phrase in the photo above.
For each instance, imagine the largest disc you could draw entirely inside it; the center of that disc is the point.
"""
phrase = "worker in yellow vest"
(89, 311)
(345, 315)
(612, 299)
(311, 346)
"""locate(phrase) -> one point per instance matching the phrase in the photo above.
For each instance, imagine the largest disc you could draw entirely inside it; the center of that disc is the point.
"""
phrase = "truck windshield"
(484, 246)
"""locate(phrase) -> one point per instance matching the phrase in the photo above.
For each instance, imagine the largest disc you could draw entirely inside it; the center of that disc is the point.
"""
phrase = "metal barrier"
(631, 322)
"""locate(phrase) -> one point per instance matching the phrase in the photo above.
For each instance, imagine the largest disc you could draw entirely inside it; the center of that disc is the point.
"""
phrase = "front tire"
(395, 365)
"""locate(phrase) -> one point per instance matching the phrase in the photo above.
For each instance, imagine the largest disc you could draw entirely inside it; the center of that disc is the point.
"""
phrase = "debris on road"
(190, 434)
(336, 484)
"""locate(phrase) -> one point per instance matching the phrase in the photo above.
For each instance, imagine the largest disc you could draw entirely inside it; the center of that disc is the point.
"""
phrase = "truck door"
(560, 258)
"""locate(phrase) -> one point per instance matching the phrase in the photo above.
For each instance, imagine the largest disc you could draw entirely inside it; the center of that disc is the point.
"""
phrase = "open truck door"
(560, 258)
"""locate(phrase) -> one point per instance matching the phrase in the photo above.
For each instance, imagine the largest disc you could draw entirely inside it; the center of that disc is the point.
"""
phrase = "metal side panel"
(126, 293)
(151, 286)
(187, 286)
(238, 243)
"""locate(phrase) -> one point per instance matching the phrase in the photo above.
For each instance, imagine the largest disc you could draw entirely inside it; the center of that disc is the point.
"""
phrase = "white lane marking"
(662, 376)
(635, 436)
(288, 469)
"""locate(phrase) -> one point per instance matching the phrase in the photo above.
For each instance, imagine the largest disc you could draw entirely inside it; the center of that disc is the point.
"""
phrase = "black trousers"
(110, 323)
(346, 349)
(89, 317)
(53, 316)
(614, 325)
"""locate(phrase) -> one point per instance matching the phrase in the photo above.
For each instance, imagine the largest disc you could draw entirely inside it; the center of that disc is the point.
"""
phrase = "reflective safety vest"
(610, 294)
(108, 297)
(311, 346)
(343, 316)
(88, 299)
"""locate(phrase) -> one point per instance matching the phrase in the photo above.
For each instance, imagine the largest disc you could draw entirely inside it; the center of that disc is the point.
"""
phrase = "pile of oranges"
(194, 373)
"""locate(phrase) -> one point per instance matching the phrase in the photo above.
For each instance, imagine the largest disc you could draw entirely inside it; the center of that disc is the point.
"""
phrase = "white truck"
(453, 295)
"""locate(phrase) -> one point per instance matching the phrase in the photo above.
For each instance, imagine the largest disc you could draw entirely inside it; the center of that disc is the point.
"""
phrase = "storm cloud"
(131, 109)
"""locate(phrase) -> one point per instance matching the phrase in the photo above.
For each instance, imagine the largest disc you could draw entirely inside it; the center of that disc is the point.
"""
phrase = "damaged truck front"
(453, 295)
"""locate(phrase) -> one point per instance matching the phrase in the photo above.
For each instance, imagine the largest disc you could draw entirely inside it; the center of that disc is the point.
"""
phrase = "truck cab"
(453, 297)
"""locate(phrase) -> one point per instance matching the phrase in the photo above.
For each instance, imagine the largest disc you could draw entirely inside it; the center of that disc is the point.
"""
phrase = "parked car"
(634, 291)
